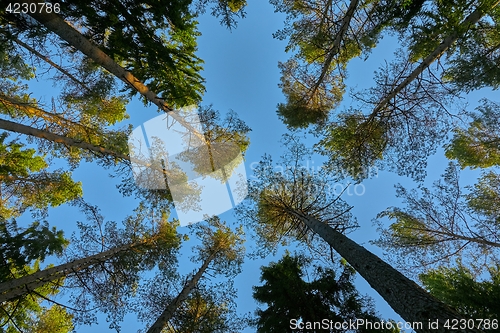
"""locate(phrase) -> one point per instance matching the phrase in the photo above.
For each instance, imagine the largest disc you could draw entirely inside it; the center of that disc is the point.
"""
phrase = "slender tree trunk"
(69, 142)
(471, 20)
(31, 110)
(23, 129)
(337, 43)
(56, 24)
(26, 284)
(405, 297)
(169, 311)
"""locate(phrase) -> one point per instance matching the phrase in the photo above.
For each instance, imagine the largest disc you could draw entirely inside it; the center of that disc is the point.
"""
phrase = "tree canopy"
(460, 288)
(326, 296)
(445, 224)
(75, 251)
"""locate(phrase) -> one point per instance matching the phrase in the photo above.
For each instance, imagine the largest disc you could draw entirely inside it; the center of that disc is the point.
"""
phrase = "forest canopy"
(397, 98)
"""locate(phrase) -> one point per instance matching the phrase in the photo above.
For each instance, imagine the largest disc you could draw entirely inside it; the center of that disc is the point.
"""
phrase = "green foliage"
(355, 143)
(27, 314)
(411, 107)
(280, 189)
(54, 320)
(228, 10)
(94, 97)
(26, 184)
(396, 15)
(309, 27)
(312, 81)
(477, 64)
(230, 129)
(443, 224)
(23, 246)
(459, 288)
(307, 102)
(484, 198)
(236, 5)
(156, 40)
(288, 295)
(296, 115)
(435, 22)
(397, 134)
(16, 161)
(12, 66)
(222, 244)
(472, 61)
(410, 231)
(479, 144)
(225, 140)
(209, 309)
(87, 104)
(308, 80)
(204, 307)
(110, 286)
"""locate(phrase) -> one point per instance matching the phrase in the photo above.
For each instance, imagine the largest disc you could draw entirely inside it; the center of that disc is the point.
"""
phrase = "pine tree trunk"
(56, 24)
(336, 43)
(26, 284)
(405, 297)
(471, 20)
(23, 129)
(33, 111)
(169, 311)
(69, 142)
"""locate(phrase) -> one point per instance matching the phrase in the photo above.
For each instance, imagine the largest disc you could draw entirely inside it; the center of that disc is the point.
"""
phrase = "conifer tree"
(446, 223)
(28, 314)
(221, 252)
(157, 40)
(458, 287)
(297, 204)
(26, 184)
(290, 296)
(479, 144)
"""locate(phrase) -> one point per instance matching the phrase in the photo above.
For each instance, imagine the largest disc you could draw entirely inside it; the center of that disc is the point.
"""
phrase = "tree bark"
(169, 311)
(69, 142)
(23, 129)
(56, 24)
(472, 19)
(336, 44)
(26, 284)
(30, 110)
(404, 296)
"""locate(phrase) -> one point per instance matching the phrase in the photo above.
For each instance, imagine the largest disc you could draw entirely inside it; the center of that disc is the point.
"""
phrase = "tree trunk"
(405, 297)
(26, 284)
(337, 43)
(169, 311)
(69, 142)
(23, 129)
(31, 110)
(471, 20)
(56, 24)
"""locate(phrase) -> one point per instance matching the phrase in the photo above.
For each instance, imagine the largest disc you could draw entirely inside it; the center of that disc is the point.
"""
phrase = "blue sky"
(241, 74)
